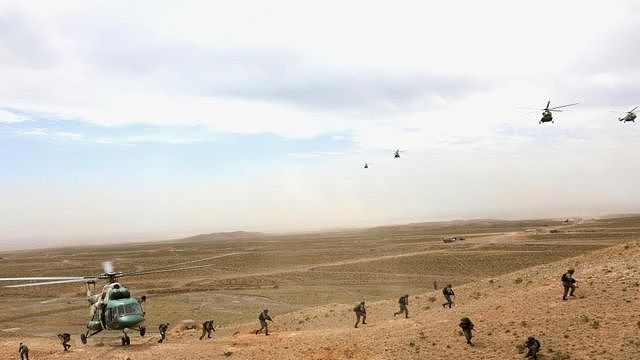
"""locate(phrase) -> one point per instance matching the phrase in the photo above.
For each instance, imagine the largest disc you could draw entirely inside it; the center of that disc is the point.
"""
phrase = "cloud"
(68, 135)
(317, 154)
(157, 138)
(115, 72)
(43, 133)
(24, 42)
(8, 117)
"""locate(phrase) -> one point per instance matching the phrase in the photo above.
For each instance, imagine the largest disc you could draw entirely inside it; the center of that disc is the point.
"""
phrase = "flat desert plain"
(505, 273)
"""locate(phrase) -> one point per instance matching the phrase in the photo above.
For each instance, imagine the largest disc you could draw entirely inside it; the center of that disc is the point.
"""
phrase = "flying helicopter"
(113, 308)
(546, 112)
(366, 165)
(396, 154)
(630, 116)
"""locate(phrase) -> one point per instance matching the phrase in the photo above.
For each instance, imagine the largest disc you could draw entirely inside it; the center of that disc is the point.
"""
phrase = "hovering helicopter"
(630, 116)
(546, 112)
(113, 308)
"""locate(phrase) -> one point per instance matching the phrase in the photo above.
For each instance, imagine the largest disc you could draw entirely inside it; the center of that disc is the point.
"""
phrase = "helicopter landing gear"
(126, 341)
(143, 330)
(85, 337)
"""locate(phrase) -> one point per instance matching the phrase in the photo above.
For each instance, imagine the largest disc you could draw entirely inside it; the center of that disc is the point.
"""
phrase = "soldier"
(141, 301)
(534, 346)
(163, 332)
(569, 283)
(448, 293)
(264, 316)
(467, 326)
(207, 327)
(24, 351)
(361, 312)
(64, 339)
(404, 302)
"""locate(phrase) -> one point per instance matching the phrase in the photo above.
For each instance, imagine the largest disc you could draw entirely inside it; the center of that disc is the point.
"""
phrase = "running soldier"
(569, 284)
(404, 302)
(467, 326)
(534, 346)
(361, 312)
(264, 316)
(64, 339)
(24, 351)
(207, 328)
(448, 293)
(163, 332)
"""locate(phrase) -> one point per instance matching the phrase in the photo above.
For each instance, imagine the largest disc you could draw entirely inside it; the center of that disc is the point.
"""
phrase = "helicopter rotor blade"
(548, 103)
(42, 278)
(173, 266)
(147, 272)
(52, 282)
(634, 109)
(561, 106)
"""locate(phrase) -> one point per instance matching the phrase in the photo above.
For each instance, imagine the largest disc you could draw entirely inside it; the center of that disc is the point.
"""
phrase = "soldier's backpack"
(567, 278)
(466, 323)
(357, 308)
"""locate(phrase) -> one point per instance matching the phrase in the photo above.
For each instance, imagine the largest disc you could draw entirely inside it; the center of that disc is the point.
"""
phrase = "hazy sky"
(123, 119)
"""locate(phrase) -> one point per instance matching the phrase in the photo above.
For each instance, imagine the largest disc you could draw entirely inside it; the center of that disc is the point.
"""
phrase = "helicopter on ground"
(630, 116)
(546, 112)
(113, 308)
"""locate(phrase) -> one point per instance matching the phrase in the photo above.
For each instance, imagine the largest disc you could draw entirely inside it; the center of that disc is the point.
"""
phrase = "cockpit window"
(126, 309)
(133, 309)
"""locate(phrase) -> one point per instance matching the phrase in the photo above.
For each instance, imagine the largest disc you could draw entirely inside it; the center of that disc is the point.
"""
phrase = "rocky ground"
(602, 322)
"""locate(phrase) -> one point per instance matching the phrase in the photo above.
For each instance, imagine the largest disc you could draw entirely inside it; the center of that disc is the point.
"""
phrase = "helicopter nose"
(129, 321)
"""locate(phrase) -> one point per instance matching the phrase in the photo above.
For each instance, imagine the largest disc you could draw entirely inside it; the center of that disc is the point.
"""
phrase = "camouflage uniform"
(467, 326)
(404, 302)
(163, 331)
(64, 339)
(24, 351)
(361, 312)
(264, 316)
(569, 284)
(534, 346)
(448, 293)
(207, 327)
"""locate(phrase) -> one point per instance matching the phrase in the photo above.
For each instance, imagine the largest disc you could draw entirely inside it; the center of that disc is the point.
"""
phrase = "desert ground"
(505, 273)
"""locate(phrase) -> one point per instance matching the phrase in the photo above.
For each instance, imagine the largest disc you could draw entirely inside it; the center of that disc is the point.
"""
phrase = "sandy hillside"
(602, 322)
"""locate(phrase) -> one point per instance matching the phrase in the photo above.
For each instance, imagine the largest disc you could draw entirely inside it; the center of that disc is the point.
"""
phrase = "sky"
(126, 120)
